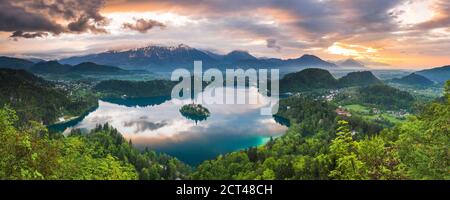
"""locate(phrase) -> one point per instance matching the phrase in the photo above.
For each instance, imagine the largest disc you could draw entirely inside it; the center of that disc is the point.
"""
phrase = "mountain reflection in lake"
(161, 127)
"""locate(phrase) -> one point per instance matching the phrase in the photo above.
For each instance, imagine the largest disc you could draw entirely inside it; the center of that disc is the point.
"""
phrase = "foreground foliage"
(28, 152)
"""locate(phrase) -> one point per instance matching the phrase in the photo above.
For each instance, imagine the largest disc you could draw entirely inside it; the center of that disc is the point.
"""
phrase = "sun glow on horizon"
(357, 51)
(410, 33)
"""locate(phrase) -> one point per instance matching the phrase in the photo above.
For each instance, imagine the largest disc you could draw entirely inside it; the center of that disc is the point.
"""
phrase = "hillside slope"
(307, 79)
(363, 78)
(414, 79)
(438, 74)
(36, 99)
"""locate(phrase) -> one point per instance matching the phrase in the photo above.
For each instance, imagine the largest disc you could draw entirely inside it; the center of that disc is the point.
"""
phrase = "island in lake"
(195, 112)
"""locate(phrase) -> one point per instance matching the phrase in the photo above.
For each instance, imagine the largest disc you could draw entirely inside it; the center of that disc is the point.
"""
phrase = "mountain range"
(351, 64)
(438, 74)
(14, 63)
(161, 58)
(413, 79)
(54, 67)
(167, 58)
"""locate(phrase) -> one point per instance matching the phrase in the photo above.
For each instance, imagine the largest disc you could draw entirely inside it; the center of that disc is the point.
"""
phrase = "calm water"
(156, 123)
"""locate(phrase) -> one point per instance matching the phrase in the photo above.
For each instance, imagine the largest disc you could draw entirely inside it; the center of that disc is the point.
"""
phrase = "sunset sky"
(398, 33)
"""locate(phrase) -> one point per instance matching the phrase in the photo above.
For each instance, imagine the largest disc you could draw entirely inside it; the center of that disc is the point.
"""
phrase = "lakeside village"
(348, 109)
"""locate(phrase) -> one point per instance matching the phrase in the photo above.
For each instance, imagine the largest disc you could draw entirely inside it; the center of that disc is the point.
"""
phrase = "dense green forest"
(386, 97)
(414, 79)
(30, 152)
(380, 96)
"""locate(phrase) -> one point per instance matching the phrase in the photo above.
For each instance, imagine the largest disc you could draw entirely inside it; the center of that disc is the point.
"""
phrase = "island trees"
(195, 112)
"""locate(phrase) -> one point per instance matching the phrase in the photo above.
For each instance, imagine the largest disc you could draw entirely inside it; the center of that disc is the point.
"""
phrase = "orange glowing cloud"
(411, 33)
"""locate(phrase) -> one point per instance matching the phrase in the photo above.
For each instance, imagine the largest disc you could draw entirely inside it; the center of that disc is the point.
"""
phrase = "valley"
(126, 119)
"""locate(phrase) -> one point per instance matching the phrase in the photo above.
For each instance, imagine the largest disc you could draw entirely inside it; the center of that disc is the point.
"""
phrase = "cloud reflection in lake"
(161, 127)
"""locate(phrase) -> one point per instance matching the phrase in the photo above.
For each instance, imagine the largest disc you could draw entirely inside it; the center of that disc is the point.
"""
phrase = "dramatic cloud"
(398, 30)
(312, 17)
(28, 35)
(142, 25)
(14, 18)
(36, 18)
(84, 24)
(272, 43)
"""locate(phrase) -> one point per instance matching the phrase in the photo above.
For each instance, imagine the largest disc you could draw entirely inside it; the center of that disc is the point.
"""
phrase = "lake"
(157, 123)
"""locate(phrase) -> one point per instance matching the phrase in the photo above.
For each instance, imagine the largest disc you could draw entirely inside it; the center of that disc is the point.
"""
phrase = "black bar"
(152, 189)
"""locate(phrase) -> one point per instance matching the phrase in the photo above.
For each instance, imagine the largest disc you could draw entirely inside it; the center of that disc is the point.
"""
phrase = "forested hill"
(92, 68)
(49, 67)
(438, 74)
(36, 99)
(55, 68)
(88, 68)
(363, 78)
(311, 78)
(414, 79)
(14, 63)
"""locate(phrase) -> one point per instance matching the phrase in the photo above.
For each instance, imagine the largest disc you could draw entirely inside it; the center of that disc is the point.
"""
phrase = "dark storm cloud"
(14, 18)
(28, 35)
(272, 43)
(142, 25)
(36, 17)
(83, 24)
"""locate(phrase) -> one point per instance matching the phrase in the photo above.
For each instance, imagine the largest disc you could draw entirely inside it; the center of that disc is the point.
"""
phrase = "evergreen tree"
(343, 150)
